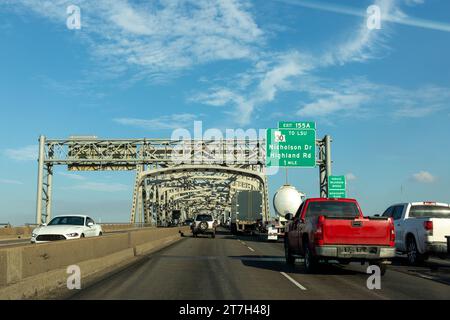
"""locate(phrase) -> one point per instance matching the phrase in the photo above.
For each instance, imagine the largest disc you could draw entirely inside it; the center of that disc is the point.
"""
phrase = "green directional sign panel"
(336, 187)
(291, 148)
(297, 125)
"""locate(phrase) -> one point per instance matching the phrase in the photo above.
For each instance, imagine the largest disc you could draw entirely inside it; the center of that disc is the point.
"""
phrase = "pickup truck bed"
(335, 229)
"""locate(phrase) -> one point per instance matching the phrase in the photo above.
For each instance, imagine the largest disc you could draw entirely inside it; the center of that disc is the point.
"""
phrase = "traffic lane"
(200, 269)
(334, 281)
(433, 269)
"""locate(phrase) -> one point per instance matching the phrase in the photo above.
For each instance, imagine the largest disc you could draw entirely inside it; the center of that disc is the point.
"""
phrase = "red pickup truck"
(336, 230)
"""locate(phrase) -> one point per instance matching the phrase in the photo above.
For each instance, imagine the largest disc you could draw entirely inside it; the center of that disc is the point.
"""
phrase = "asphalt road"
(230, 267)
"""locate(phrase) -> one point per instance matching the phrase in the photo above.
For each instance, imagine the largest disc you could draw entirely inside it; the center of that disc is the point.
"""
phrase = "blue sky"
(145, 68)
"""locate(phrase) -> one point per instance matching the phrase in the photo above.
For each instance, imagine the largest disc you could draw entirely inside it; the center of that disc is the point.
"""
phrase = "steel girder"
(197, 186)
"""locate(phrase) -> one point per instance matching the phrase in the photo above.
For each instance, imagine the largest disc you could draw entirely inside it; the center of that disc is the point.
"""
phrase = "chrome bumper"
(355, 252)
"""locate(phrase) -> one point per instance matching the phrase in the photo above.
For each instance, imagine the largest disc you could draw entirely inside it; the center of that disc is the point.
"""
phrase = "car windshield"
(204, 217)
(73, 221)
(429, 211)
(332, 209)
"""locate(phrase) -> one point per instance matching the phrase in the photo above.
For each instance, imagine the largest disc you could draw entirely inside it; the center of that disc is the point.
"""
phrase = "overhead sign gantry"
(206, 175)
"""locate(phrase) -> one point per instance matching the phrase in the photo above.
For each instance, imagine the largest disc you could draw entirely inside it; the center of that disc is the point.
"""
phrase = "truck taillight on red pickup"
(392, 234)
(318, 234)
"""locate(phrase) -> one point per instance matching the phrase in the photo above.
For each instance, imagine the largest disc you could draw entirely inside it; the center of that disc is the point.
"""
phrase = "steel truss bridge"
(189, 175)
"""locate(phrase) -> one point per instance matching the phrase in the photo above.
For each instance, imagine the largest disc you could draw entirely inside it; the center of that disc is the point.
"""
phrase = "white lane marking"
(251, 249)
(293, 281)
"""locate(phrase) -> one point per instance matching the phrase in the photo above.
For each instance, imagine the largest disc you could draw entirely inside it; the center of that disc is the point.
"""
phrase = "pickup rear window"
(429, 211)
(332, 209)
(204, 217)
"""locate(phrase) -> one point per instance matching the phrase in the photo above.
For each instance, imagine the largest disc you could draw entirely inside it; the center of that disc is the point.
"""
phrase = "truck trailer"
(246, 211)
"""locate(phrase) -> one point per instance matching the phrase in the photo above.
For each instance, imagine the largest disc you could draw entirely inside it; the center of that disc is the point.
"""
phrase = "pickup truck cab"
(336, 230)
(420, 229)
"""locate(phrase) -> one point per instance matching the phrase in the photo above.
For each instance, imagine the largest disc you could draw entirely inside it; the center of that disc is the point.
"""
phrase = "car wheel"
(290, 260)
(82, 235)
(309, 261)
(414, 256)
(100, 234)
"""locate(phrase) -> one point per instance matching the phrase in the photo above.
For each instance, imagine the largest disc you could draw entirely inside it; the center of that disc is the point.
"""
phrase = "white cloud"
(27, 153)
(8, 181)
(344, 97)
(396, 16)
(419, 103)
(424, 177)
(173, 121)
(258, 86)
(336, 103)
(350, 176)
(414, 2)
(100, 187)
(362, 45)
(156, 39)
(72, 176)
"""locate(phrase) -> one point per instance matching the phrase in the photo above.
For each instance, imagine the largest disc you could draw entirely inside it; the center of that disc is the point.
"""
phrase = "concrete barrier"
(34, 270)
(24, 232)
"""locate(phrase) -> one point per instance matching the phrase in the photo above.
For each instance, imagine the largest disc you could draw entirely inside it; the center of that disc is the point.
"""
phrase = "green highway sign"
(291, 148)
(297, 125)
(336, 187)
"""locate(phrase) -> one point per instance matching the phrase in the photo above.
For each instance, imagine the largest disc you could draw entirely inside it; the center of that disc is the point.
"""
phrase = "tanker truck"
(286, 200)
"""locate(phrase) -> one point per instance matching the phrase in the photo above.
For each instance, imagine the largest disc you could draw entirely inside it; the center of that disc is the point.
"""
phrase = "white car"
(66, 228)
(421, 228)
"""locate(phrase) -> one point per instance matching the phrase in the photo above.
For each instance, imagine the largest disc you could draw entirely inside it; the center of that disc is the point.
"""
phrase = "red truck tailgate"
(359, 231)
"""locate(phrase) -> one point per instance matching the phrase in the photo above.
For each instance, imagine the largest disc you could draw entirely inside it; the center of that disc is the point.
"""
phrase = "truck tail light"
(318, 235)
(391, 233)
(428, 225)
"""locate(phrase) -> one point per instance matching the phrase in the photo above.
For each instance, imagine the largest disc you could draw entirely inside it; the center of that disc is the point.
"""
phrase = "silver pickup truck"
(421, 229)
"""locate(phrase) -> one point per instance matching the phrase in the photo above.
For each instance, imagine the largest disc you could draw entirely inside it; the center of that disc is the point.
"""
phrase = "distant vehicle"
(203, 224)
(421, 229)
(272, 232)
(66, 228)
(286, 200)
(188, 222)
(176, 215)
(336, 230)
(246, 211)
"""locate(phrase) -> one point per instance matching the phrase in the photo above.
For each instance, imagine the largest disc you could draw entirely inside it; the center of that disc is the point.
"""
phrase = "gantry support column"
(44, 186)
(324, 165)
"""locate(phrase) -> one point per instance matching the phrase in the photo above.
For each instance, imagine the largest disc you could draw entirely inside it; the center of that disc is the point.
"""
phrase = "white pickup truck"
(420, 229)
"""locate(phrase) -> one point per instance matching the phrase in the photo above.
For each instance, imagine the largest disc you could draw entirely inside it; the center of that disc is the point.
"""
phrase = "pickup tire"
(414, 256)
(310, 262)
(290, 259)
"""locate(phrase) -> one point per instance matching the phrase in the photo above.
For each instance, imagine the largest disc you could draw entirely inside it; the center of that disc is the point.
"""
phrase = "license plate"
(353, 250)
